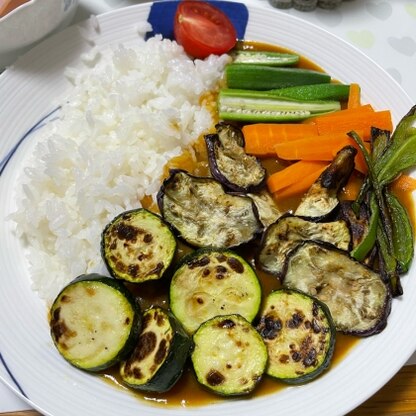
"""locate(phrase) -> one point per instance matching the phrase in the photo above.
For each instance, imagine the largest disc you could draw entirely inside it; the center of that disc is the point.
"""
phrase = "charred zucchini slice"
(94, 322)
(213, 282)
(137, 246)
(322, 197)
(229, 163)
(229, 357)
(357, 297)
(159, 357)
(299, 334)
(289, 231)
(204, 214)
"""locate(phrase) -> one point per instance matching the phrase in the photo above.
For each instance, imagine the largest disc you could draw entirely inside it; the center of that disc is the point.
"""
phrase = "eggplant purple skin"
(382, 322)
(166, 182)
(213, 143)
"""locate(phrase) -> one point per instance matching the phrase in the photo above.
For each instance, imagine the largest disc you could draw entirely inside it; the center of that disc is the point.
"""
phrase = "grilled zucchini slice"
(158, 359)
(204, 214)
(137, 246)
(212, 282)
(299, 334)
(229, 163)
(289, 231)
(94, 322)
(357, 297)
(229, 356)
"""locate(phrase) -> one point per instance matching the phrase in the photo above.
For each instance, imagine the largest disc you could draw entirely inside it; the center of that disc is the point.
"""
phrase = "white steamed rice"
(131, 109)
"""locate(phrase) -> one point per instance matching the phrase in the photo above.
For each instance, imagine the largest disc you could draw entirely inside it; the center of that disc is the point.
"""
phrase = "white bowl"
(29, 23)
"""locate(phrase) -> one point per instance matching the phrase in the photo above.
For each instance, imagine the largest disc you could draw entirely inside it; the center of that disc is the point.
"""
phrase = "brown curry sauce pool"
(187, 392)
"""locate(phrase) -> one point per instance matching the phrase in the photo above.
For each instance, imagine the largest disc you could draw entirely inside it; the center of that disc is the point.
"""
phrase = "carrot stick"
(404, 183)
(366, 108)
(293, 174)
(322, 148)
(360, 121)
(352, 188)
(260, 138)
(301, 186)
(354, 96)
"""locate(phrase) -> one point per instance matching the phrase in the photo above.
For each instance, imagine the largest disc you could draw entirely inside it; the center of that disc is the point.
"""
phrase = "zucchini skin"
(173, 364)
(56, 326)
(304, 352)
(139, 246)
(229, 356)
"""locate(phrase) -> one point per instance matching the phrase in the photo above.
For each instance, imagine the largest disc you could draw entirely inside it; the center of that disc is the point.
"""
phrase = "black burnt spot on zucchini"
(226, 324)
(316, 327)
(270, 327)
(137, 373)
(310, 359)
(201, 262)
(296, 320)
(220, 272)
(206, 272)
(215, 378)
(221, 258)
(284, 359)
(126, 232)
(235, 265)
(148, 238)
(160, 319)
(146, 344)
(133, 270)
(65, 299)
(161, 351)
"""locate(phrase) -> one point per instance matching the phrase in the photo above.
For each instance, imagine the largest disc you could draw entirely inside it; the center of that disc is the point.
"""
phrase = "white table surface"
(384, 30)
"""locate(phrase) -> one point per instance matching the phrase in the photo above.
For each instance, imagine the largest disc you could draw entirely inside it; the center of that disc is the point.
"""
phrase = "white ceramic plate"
(30, 364)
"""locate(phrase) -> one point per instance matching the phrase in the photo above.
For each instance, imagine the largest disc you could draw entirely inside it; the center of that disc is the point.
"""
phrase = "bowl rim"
(17, 9)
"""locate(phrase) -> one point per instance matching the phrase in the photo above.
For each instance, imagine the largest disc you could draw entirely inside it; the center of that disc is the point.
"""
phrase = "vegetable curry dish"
(276, 240)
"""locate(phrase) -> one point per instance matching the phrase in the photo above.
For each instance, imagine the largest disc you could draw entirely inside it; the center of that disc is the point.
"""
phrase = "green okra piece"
(260, 77)
(265, 58)
(313, 92)
(259, 106)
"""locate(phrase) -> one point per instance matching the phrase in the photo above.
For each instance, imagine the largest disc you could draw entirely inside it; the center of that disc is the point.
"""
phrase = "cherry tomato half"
(203, 29)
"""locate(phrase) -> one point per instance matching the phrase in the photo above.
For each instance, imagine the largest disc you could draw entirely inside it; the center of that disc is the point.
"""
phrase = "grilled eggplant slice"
(137, 246)
(159, 357)
(322, 197)
(94, 322)
(204, 214)
(357, 297)
(357, 222)
(230, 356)
(299, 334)
(213, 282)
(268, 211)
(290, 231)
(229, 163)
